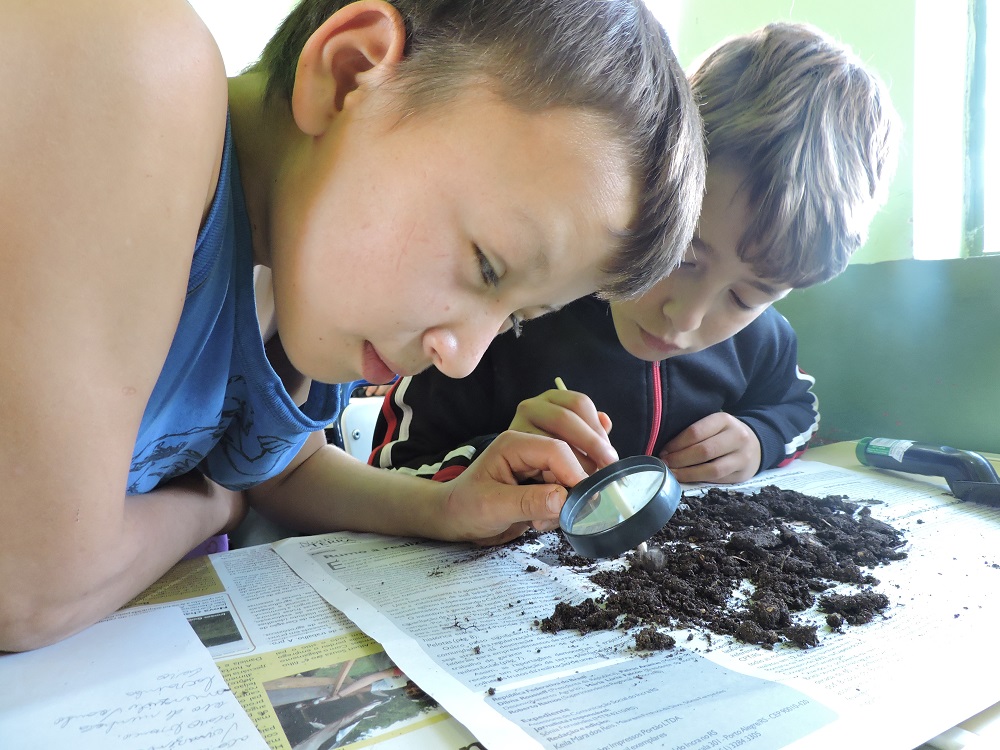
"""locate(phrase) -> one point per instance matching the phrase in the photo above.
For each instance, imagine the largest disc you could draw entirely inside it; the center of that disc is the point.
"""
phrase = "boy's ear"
(361, 42)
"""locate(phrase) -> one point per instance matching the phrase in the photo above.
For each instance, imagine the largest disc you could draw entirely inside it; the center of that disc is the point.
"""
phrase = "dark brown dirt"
(745, 566)
(651, 639)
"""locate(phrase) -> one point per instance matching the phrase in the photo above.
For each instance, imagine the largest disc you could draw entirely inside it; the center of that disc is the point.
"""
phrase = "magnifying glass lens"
(619, 506)
(616, 501)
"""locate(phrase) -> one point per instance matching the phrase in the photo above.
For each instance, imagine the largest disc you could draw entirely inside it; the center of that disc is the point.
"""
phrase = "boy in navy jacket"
(700, 370)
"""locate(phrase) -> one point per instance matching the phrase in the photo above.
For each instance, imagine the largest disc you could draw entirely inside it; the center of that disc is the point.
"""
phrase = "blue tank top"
(218, 406)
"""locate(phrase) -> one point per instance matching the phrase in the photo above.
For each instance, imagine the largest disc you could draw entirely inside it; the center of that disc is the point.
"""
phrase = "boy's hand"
(573, 418)
(719, 449)
(488, 504)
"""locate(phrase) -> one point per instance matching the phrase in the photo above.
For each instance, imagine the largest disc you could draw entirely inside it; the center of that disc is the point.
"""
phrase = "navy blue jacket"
(439, 424)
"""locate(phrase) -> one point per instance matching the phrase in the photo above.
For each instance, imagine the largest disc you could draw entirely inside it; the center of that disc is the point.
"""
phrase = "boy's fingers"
(572, 416)
(605, 421)
(505, 507)
(584, 437)
(536, 502)
(510, 534)
(525, 506)
(596, 448)
(528, 456)
(698, 432)
(546, 525)
(580, 405)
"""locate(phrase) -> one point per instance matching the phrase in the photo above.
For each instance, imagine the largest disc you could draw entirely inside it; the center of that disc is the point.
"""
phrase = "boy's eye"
(689, 260)
(739, 302)
(486, 269)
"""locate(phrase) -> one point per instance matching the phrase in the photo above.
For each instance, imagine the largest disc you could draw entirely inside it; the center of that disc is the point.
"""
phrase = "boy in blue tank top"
(406, 179)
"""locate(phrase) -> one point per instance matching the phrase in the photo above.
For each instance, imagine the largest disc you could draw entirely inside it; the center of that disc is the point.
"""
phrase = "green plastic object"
(969, 475)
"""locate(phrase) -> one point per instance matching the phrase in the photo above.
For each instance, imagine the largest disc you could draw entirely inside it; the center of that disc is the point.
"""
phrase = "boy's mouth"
(374, 369)
(658, 345)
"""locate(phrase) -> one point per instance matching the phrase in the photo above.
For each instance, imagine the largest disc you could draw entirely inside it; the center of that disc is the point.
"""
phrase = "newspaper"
(462, 622)
(304, 673)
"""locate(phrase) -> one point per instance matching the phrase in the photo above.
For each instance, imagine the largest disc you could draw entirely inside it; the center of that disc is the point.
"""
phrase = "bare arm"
(325, 490)
(112, 115)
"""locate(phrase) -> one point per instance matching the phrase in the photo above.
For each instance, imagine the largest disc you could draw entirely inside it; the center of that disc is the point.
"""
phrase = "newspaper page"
(463, 622)
(304, 673)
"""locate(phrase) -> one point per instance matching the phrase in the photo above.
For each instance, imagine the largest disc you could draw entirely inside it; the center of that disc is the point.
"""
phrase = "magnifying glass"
(620, 506)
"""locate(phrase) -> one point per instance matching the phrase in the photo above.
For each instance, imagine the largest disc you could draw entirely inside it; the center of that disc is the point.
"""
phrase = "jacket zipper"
(657, 407)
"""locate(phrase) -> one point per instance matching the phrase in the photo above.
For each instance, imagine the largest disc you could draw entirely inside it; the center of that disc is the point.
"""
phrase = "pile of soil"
(746, 566)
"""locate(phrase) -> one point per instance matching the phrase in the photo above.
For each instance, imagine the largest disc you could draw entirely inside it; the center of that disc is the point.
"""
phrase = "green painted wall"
(881, 32)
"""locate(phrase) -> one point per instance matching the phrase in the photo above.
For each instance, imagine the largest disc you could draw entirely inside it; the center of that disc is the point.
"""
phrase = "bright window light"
(991, 159)
(938, 129)
(241, 29)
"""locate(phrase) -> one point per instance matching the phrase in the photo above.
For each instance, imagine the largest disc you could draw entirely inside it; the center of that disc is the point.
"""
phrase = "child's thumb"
(540, 505)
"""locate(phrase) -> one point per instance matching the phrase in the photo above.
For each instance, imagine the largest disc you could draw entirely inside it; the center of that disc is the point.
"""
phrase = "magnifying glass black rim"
(632, 531)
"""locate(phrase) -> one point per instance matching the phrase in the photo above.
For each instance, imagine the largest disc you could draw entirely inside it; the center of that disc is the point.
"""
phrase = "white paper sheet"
(138, 683)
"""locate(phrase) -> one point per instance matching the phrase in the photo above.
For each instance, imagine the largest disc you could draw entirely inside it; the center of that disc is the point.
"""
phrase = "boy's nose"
(685, 313)
(456, 350)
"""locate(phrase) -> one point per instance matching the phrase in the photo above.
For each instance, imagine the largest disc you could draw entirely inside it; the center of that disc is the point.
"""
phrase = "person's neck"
(260, 138)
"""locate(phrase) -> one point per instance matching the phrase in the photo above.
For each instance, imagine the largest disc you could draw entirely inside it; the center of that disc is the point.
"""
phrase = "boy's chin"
(641, 350)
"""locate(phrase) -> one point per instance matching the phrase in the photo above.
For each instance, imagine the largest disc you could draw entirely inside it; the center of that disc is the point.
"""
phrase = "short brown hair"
(815, 135)
(608, 57)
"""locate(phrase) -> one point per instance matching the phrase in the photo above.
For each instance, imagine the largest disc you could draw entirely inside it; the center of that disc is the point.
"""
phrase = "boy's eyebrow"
(544, 236)
(766, 288)
(702, 244)
(755, 282)
(538, 261)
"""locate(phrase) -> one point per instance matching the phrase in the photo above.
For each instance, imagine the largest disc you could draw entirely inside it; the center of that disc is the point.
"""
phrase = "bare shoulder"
(95, 77)
(113, 117)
